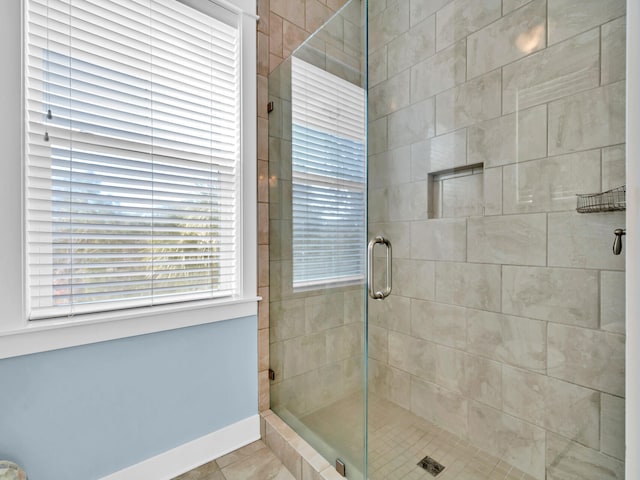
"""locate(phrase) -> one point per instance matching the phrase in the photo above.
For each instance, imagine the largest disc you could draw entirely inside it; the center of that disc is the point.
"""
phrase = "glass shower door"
(317, 178)
(500, 351)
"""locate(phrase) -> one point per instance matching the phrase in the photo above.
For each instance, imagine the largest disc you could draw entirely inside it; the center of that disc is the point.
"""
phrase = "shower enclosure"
(438, 307)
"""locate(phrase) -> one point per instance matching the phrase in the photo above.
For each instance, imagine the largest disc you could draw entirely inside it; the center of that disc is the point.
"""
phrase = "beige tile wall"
(283, 26)
(506, 325)
(492, 314)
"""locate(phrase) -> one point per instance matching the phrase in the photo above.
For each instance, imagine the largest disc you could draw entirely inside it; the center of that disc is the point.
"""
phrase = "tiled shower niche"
(457, 192)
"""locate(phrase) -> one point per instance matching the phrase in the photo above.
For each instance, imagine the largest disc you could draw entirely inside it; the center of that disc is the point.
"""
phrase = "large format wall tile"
(323, 312)
(388, 25)
(509, 139)
(482, 380)
(552, 73)
(303, 354)
(293, 10)
(613, 167)
(279, 284)
(512, 37)
(353, 305)
(439, 323)
(468, 284)
(394, 313)
(436, 154)
(461, 17)
(443, 407)
(492, 191)
(413, 46)
(377, 67)
(376, 7)
(288, 319)
(512, 239)
(444, 70)
(408, 201)
(471, 102)
(378, 205)
(392, 167)
(613, 429)
(591, 358)
(292, 37)
(315, 15)
(591, 119)
(614, 50)
(550, 184)
(377, 138)
(421, 9)
(612, 302)
(555, 294)
(450, 369)
(414, 279)
(390, 383)
(389, 96)
(517, 442)
(281, 239)
(344, 342)
(584, 240)
(441, 239)
(512, 340)
(412, 124)
(412, 355)
(570, 17)
(561, 407)
(567, 460)
(378, 343)
(377, 378)
(399, 384)
(510, 5)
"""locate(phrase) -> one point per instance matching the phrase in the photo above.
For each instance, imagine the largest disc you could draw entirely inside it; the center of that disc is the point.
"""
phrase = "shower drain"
(431, 466)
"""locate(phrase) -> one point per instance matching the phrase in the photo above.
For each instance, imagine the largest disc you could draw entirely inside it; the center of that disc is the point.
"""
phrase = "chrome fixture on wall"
(617, 243)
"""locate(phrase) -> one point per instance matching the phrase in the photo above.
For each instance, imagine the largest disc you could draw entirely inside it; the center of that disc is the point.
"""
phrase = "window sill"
(45, 335)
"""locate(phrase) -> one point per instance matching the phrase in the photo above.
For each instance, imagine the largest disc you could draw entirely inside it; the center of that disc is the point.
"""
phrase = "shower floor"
(398, 440)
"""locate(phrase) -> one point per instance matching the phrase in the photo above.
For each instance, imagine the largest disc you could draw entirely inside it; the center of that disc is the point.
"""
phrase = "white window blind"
(132, 154)
(328, 177)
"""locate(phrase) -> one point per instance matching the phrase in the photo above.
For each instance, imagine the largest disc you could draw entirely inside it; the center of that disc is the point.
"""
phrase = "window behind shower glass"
(328, 177)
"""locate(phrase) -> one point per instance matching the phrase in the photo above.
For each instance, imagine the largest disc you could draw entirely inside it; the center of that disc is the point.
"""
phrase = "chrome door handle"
(380, 294)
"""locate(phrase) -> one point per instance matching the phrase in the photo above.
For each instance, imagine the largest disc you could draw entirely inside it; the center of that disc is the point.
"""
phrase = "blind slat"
(328, 177)
(132, 200)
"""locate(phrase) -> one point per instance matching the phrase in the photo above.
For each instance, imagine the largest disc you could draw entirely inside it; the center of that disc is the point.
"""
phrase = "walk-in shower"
(454, 135)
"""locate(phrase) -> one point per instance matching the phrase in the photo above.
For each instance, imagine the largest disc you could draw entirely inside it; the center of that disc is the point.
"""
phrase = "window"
(133, 147)
(328, 177)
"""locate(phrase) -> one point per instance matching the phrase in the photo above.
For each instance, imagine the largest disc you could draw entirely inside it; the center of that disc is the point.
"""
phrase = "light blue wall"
(82, 413)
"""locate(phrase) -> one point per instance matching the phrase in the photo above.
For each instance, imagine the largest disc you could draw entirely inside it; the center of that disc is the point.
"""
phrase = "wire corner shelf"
(608, 201)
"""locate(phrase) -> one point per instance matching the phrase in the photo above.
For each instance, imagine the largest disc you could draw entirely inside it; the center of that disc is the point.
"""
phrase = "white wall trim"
(632, 243)
(248, 229)
(45, 335)
(186, 457)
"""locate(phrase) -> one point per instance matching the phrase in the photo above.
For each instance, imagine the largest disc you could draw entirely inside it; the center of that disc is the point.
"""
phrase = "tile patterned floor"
(398, 440)
(253, 462)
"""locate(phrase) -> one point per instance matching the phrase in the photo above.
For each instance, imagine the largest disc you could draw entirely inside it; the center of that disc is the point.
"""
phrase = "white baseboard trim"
(186, 457)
